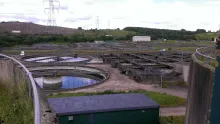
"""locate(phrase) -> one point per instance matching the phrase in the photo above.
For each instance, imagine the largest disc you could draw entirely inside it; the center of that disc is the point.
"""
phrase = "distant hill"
(30, 28)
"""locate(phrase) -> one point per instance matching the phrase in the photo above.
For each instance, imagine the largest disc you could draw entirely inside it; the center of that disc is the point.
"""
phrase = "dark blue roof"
(101, 103)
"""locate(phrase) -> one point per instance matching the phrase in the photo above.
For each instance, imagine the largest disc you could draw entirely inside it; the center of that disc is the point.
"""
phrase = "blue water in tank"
(70, 82)
(64, 82)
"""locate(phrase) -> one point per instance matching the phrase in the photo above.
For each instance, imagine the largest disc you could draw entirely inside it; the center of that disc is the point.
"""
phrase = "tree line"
(9, 39)
(166, 34)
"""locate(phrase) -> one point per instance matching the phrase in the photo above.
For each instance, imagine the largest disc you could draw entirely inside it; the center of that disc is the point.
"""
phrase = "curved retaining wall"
(200, 84)
(11, 74)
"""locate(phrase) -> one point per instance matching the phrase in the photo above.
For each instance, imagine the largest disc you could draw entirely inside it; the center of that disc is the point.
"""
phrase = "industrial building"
(132, 108)
(141, 38)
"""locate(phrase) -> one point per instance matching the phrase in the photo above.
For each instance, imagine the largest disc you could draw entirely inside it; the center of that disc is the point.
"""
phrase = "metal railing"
(207, 55)
(36, 101)
(211, 49)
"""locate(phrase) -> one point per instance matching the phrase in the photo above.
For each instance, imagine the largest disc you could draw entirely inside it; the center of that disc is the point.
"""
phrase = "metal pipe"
(37, 117)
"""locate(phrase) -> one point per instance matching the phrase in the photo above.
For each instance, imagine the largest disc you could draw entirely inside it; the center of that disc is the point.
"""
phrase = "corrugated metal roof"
(101, 103)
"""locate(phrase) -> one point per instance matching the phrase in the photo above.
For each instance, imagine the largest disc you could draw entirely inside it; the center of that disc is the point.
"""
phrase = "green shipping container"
(132, 108)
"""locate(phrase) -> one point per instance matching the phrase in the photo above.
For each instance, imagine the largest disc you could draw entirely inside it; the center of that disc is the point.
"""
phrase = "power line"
(97, 23)
(51, 22)
(108, 24)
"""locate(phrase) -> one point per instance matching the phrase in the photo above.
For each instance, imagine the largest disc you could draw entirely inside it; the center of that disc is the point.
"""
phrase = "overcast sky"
(169, 14)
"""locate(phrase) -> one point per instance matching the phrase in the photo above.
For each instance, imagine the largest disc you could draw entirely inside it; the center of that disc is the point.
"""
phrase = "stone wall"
(200, 83)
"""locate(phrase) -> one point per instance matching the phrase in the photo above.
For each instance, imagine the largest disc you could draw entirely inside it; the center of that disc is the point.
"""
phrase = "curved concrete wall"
(201, 79)
(10, 74)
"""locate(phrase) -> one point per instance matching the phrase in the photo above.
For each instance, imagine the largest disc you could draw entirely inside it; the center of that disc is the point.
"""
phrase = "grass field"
(164, 100)
(205, 36)
(15, 106)
(190, 49)
(172, 120)
(114, 33)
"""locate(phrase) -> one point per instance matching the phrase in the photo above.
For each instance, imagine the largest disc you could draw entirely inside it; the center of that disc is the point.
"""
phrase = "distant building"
(108, 35)
(141, 38)
(99, 42)
(215, 39)
(16, 32)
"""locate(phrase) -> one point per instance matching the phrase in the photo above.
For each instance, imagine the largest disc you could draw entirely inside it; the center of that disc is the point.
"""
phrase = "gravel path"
(120, 82)
(173, 111)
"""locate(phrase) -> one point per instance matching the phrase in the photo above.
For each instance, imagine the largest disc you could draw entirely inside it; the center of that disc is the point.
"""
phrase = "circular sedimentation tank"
(67, 77)
(54, 59)
(65, 82)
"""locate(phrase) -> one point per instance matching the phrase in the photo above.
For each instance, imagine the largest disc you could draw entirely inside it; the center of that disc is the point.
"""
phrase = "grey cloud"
(173, 26)
(118, 18)
(202, 23)
(86, 26)
(64, 7)
(78, 19)
(90, 2)
(159, 23)
(20, 16)
(156, 23)
(71, 12)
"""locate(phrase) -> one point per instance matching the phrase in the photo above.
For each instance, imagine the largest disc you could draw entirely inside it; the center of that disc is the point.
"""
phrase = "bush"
(15, 106)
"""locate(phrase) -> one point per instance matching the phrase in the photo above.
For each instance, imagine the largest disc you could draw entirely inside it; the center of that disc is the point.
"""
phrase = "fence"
(37, 116)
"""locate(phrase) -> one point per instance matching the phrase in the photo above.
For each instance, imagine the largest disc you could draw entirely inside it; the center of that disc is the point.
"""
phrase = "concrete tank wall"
(10, 74)
(185, 73)
(201, 78)
(182, 68)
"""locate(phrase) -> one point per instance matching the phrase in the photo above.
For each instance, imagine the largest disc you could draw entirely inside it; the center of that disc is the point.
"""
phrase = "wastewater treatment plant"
(123, 83)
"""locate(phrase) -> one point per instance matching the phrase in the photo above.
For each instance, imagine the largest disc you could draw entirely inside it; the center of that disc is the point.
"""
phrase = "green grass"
(172, 120)
(205, 36)
(15, 106)
(114, 33)
(176, 83)
(213, 63)
(190, 49)
(164, 100)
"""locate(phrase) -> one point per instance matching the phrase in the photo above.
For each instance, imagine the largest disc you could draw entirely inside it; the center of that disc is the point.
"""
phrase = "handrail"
(197, 51)
(37, 118)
